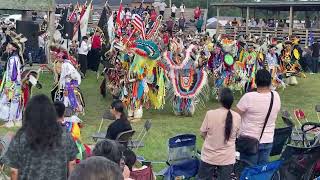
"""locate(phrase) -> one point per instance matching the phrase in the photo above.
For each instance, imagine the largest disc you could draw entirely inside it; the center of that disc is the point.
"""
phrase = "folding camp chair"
(125, 137)
(182, 158)
(138, 142)
(107, 116)
(297, 135)
(144, 174)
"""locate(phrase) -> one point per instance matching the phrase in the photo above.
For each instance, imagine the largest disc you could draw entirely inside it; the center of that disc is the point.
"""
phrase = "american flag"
(138, 25)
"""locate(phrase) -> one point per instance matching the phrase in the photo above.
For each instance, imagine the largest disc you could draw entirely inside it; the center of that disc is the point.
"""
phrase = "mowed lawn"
(164, 123)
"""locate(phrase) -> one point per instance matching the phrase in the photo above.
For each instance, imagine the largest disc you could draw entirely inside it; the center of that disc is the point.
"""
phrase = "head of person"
(60, 109)
(12, 47)
(273, 50)
(226, 99)
(96, 168)
(85, 38)
(130, 158)
(108, 149)
(263, 79)
(117, 110)
(40, 125)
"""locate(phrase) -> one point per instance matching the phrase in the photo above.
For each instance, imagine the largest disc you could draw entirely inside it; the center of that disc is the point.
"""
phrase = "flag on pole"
(139, 25)
(85, 20)
(82, 22)
(119, 18)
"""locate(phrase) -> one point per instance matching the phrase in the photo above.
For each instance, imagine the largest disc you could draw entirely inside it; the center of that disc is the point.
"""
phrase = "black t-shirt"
(41, 165)
(117, 127)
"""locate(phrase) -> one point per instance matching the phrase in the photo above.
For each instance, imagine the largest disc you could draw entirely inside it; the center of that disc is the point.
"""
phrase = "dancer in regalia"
(11, 94)
(67, 88)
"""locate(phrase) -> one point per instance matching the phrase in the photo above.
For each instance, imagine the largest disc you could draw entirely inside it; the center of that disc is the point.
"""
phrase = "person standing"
(200, 24)
(197, 13)
(219, 130)
(83, 52)
(41, 149)
(11, 91)
(95, 50)
(173, 11)
(315, 47)
(182, 22)
(254, 108)
(182, 9)
(170, 26)
(162, 8)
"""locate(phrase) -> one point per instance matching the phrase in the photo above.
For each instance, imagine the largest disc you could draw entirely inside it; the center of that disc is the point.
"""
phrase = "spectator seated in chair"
(96, 168)
(121, 124)
(112, 151)
(142, 173)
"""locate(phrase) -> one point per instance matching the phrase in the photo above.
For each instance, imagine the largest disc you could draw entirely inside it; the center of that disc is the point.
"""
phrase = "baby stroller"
(182, 161)
(295, 163)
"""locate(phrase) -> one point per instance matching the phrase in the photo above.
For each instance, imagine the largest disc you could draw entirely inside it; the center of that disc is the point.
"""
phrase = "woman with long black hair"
(219, 130)
(121, 124)
(41, 149)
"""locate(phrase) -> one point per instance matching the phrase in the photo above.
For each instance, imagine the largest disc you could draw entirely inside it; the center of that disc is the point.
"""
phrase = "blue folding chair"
(264, 172)
(182, 158)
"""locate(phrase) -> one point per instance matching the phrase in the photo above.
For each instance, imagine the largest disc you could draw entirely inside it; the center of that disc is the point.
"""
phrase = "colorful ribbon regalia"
(187, 80)
(73, 126)
(145, 86)
(289, 64)
(68, 80)
(11, 100)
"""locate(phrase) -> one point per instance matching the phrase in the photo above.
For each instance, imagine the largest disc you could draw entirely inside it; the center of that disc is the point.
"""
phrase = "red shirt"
(166, 38)
(153, 15)
(96, 42)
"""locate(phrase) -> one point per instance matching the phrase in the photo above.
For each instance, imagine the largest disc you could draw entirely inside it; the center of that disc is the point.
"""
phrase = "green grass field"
(164, 123)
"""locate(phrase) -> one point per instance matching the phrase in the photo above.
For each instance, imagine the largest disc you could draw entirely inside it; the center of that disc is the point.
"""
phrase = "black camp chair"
(125, 137)
(107, 116)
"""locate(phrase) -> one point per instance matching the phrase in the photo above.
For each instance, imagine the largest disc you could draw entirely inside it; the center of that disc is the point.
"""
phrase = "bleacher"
(280, 33)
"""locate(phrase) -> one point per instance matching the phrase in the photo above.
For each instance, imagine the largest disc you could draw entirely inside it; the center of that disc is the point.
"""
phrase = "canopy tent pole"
(218, 18)
(290, 20)
(247, 20)
(51, 27)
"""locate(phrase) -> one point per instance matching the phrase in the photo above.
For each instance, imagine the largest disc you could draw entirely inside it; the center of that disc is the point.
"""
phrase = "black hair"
(60, 108)
(108, 149)
(96, 168)
(119, 107)
(130, 158)
(263, 78)
(40, 124)
(226, 100)
(84, 38)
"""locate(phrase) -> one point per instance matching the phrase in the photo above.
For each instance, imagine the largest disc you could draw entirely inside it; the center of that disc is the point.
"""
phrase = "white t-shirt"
(162, 6)
(182, 8)
(173, 9)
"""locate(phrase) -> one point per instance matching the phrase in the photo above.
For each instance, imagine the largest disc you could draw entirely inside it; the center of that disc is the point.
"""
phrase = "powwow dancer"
(11, 100)
(67, 82)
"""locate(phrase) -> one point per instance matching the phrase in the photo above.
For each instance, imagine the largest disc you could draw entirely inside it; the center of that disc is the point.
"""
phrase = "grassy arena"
(164, 123)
